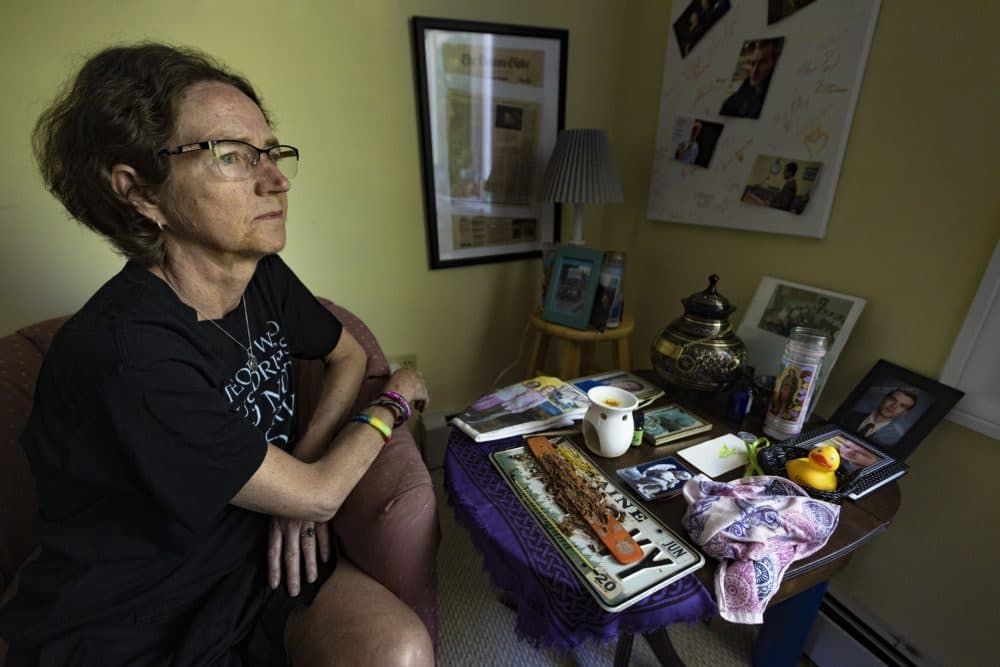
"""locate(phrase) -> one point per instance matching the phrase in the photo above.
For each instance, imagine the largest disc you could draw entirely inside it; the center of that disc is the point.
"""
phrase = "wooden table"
(860, 521)
(793, 608)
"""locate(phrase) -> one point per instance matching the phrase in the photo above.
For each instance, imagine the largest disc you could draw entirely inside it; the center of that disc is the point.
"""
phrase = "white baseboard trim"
(842, 636)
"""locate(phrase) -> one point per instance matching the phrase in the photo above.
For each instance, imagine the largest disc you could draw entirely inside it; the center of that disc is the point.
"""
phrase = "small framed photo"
(778, 306)
(855, 456)
(672, 422)
(657, 480)
(570, 296)
(492, 102)
(894, 408)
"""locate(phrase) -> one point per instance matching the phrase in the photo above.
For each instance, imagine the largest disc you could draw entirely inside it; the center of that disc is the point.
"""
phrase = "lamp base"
(577, 224)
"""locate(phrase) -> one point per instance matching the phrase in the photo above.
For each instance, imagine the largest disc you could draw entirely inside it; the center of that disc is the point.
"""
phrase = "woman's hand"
(410, 384)
(292, 542)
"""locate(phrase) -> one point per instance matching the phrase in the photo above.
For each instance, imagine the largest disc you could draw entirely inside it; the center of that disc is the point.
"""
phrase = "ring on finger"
(309, 532)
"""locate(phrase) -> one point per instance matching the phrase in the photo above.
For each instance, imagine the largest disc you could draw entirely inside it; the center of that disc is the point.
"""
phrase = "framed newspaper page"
(492, 102)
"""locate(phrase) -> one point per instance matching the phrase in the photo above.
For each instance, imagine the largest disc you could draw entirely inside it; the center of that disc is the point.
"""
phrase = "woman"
(785, 399)
(161, 436)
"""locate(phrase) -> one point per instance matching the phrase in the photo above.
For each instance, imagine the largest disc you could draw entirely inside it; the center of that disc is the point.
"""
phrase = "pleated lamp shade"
(581, 171)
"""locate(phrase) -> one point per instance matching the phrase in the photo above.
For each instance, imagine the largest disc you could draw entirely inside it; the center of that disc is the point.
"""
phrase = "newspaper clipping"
(493, 144)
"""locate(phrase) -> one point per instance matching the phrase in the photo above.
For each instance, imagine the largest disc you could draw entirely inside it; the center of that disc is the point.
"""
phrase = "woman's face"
(205, 213)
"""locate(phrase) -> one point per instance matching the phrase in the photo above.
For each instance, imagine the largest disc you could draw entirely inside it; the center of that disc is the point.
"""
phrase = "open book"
(526, 407)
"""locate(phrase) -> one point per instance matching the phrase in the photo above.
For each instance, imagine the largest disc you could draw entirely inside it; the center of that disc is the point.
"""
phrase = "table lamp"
(581, 171)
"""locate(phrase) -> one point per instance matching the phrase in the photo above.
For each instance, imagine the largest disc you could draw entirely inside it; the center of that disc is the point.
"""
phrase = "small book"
(717, 456)
(663, 425)
(643, 389)
(657, 480)
(863, 467)
(525, 407)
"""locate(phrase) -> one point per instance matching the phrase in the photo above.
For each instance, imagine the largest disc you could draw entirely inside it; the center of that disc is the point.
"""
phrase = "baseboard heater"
(839, 637)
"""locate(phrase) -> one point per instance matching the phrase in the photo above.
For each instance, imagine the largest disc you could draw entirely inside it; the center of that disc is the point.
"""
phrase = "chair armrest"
(388, 526)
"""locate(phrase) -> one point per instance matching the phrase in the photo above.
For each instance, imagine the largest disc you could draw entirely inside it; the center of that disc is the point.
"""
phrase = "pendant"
(252, 362)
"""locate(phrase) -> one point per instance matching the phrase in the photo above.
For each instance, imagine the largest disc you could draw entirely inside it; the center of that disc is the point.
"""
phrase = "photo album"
(525, 407)
(643, 389)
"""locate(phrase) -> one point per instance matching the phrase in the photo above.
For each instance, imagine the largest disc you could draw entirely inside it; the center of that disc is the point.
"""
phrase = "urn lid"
(708, 302)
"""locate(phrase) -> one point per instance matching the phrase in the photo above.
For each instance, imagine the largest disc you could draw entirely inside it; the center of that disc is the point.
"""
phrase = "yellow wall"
(914, 221)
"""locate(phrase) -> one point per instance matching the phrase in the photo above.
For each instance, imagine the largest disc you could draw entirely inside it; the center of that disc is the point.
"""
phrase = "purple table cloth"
(553, 608)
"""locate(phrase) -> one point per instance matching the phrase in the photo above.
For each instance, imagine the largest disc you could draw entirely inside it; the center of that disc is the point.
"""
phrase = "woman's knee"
(357, 621)
(406, 644)
(376, 643)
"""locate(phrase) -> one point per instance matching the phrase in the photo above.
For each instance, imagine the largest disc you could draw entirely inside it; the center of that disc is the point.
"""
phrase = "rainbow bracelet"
(376, 424)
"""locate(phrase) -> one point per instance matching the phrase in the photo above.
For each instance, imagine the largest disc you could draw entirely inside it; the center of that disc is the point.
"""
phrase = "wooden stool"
(578, 346)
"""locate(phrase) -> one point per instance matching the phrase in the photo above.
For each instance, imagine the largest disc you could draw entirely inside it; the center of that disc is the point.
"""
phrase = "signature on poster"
(702, 91)
(784, 118)
(694, 70)
(737, 155)
(815, 139)
(703, 199)
(828, 88)
(831, 61)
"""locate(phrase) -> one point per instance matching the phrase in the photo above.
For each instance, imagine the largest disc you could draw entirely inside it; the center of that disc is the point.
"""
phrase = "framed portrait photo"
(492, 101)
(778, 306)
(895, 408)
(569, 298)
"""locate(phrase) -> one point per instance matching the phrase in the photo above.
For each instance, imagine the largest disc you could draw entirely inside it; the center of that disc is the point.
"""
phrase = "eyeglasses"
(237, 159)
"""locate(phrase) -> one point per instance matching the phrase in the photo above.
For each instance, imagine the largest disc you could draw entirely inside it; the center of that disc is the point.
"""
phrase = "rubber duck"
(817, 470)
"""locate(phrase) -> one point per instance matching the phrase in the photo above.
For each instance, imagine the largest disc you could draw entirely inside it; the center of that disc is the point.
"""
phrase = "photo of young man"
(754, 70)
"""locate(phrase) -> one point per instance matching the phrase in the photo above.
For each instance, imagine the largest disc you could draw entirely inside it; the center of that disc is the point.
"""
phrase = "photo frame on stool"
(569, 297)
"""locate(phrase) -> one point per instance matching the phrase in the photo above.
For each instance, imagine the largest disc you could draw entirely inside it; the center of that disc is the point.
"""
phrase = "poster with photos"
(782, 80)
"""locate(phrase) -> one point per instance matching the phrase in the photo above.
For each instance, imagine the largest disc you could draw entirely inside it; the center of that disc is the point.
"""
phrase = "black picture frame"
(491, 102)
(933, 401)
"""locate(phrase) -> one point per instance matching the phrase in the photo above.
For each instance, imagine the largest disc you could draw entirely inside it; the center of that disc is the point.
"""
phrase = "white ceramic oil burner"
(608, 424)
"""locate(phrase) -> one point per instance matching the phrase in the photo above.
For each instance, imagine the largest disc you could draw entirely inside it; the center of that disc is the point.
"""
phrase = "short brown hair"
(120, 108)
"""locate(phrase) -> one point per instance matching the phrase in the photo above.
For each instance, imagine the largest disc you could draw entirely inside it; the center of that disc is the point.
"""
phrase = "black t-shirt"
(145, 424)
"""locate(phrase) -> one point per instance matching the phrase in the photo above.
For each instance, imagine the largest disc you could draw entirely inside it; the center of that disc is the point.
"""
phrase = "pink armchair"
(388, 526)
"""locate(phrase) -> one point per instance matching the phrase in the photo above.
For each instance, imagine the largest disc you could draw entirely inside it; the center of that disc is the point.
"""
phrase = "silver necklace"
(251, 357)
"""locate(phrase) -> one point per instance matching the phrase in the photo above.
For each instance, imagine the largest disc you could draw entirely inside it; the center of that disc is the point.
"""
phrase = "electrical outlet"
(398, 361)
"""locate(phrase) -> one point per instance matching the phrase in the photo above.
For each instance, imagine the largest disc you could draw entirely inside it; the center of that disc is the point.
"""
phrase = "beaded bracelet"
(395, 396)
(399, 415)
(376, 424)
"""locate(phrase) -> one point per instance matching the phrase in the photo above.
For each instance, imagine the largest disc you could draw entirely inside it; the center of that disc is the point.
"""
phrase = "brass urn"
(699, 351)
